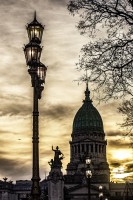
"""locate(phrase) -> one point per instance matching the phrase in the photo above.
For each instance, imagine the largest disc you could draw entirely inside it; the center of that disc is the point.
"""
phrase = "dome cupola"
(87, 118)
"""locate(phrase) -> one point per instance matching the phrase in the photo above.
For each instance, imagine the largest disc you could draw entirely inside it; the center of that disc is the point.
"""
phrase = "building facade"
(88, 140)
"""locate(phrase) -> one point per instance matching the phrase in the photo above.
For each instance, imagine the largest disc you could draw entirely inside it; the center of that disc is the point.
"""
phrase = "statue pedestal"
(55, 178)
(5, 195)
(55, 185)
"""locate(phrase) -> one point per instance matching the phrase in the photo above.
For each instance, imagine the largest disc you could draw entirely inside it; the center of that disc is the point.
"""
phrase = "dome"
(87, 118)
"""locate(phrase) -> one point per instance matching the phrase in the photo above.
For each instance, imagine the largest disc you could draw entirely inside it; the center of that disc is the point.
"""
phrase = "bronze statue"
(58, 156)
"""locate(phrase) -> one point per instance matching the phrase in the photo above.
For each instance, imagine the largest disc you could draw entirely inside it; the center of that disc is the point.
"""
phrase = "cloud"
(12, 168)
(115, 164)
(59, 2)
(129, 167)
(117, 139)
(118, 143)
(7, 2)
(58, 112)
(15, 105)
(114, 133)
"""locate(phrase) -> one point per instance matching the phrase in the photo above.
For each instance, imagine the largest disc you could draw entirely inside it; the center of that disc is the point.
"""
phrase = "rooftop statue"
(58, 156)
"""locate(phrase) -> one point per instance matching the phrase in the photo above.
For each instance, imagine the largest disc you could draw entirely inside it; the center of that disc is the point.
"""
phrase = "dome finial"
(35, 15)
(87, 91)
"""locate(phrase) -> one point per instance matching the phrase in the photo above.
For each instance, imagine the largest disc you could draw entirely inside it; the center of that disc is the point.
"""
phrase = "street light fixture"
(100, 192)
(32, 53)
(88, 161)
(37, 71)
(41, 72)
(35, 30)
(88, 176)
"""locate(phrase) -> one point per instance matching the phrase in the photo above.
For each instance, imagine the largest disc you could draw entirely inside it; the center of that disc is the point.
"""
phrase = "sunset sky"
(61, 98)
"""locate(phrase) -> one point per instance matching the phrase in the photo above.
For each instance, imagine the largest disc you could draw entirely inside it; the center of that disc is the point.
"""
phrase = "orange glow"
(122, 154)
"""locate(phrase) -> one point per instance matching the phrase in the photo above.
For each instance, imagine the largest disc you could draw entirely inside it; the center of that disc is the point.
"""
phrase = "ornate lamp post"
(37, 71)
(88, 176)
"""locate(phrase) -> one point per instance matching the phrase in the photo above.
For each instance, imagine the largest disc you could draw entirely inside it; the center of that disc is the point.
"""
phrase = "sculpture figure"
(58, 156)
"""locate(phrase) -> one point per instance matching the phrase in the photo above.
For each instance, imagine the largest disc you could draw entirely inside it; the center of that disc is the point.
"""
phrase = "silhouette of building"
(88, 140)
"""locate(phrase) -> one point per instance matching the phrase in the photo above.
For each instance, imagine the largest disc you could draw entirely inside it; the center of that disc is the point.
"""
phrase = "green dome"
(87, 118)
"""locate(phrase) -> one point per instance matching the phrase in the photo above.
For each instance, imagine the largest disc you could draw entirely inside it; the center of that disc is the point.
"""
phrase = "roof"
(87, 118)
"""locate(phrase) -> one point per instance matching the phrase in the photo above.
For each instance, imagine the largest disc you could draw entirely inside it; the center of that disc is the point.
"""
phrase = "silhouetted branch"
(127, 110)
(109, 56)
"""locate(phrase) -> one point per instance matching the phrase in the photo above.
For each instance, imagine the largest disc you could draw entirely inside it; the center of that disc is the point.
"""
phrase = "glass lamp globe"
(88, 173)
(41, 72)
(88, 161)
(32, 53)
(35, 30)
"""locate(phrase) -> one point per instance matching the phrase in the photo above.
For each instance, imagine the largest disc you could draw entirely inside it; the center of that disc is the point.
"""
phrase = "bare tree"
(109, 57)
(127, 110)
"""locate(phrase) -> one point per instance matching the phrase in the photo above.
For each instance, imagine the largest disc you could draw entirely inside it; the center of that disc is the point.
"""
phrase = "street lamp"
(88, 176)
(35, 30)
(100, 192)
(37, 71)
(32, 53)
(88, 161)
